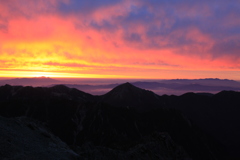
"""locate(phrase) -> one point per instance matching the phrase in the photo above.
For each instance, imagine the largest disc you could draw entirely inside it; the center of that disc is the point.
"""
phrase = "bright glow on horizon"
(30, 74)
(173, 75)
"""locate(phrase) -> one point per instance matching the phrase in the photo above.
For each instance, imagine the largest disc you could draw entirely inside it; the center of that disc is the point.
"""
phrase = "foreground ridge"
(128, 120)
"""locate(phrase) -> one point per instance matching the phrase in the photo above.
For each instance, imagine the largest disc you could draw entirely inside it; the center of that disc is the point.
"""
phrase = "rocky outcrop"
(24, 139)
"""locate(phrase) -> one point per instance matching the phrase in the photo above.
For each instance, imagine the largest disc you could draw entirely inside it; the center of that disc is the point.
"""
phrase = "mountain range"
(160, 87)
(127, 122)
(35, 81)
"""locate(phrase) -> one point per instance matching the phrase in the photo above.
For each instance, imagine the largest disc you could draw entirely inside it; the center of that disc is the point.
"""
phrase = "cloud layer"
(120, 38)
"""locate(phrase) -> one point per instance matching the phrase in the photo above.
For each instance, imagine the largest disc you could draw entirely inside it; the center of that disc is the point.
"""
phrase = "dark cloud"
(103, 25)
(133, 37)
(84, 7)
(168, 24)
(137, 15)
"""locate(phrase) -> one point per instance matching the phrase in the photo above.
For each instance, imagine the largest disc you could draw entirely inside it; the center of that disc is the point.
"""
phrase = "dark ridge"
(125, 86)
(61, 88)
(128, 120)
(227, 93)
(205, 94)
(128, 95)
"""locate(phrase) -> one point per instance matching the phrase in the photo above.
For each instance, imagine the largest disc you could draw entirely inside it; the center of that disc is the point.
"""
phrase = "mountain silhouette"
(128, 95)
(130, 122)
(36, 81)
(161, 87)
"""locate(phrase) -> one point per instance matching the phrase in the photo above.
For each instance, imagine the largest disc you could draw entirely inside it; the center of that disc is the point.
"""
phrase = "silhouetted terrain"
(160, 87)
(36, 81)
(170, 87)
(131, 123)
(25, 139)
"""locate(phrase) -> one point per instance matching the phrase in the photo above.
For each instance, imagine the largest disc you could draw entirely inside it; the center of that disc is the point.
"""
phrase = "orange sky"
(118, 39)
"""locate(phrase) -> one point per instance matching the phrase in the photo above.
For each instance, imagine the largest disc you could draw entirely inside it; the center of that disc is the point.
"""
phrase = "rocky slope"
(25, 139)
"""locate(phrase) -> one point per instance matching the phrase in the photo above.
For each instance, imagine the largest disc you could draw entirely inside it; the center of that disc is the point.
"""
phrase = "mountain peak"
(125, 88)
(126, 85)
(128, 95)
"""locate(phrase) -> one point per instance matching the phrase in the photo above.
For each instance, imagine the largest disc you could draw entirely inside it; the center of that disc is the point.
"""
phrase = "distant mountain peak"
(126, 88)
(126, 85)
(127, 94)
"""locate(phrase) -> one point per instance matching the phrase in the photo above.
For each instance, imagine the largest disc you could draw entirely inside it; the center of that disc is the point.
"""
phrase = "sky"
(152, 39)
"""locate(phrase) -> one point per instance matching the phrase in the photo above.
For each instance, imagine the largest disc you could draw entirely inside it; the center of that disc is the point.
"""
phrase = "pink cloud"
(116, 36)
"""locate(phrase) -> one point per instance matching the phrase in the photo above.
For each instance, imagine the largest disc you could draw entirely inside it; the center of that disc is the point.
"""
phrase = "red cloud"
(122, 38)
